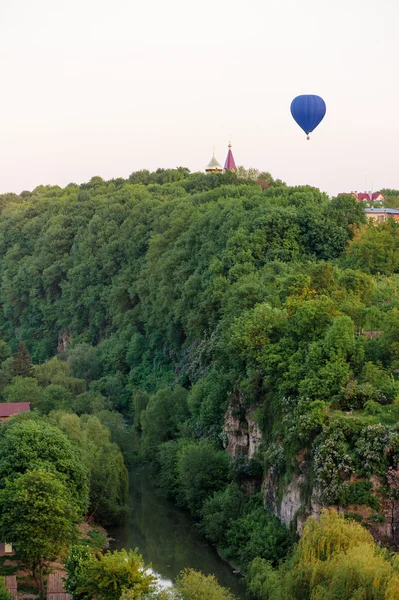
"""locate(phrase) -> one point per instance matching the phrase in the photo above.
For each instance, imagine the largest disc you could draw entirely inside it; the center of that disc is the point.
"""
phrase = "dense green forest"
(171, 315)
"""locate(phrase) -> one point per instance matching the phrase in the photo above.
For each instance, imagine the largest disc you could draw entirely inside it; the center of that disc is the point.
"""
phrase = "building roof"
(213, 165)
(386, 211)
(7, 409)
(230, 164)
(368, 196)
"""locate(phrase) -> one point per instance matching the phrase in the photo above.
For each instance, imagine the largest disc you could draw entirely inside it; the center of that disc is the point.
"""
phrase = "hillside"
(218, 312)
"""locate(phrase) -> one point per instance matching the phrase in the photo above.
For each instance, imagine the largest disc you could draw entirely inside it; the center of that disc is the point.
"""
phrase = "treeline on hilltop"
(175, 297)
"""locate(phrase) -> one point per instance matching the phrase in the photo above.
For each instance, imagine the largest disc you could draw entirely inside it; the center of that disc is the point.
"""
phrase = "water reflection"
(168, 537)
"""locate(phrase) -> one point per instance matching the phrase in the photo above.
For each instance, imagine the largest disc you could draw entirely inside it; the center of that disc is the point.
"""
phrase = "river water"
(168, 537)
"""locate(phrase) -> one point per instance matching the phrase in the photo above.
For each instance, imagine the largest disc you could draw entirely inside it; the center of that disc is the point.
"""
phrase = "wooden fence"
(11, 585)
(55, 587)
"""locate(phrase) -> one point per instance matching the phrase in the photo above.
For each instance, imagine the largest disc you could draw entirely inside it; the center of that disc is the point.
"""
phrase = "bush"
(220, 510)
(359, 492)
(202, 470)
(193, 585)
(372, 446)
(258, 533)
(4, 593)
(332, 462)
(106, 576)
(356, 396)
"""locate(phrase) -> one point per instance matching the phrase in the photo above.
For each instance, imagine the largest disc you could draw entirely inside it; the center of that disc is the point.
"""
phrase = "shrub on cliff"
(258, 533)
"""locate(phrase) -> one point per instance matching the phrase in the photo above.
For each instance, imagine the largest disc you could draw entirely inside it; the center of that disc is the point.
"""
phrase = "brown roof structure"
(8, 409)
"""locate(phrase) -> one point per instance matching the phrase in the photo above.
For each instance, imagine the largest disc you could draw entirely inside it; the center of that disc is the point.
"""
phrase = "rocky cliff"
(295, 501)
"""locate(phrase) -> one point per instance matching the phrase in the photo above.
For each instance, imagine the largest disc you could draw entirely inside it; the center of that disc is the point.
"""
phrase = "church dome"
(213, 166)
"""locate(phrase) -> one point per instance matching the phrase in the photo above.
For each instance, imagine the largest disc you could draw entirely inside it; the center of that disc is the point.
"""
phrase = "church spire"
(230, 164)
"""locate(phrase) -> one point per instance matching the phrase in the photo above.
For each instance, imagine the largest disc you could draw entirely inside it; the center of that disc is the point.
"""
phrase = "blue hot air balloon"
(308, 111)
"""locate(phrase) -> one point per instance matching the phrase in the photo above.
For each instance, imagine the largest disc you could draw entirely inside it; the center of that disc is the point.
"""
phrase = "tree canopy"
(210, 313)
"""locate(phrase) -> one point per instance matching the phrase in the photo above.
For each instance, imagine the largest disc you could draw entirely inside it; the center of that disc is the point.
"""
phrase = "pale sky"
(107, 87)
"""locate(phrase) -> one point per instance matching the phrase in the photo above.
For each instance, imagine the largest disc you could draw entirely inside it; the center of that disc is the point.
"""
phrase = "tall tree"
(37, 516)
(21, 364)
(27, 443)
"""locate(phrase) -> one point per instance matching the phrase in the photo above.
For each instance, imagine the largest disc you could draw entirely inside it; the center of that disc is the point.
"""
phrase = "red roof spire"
(230, 164)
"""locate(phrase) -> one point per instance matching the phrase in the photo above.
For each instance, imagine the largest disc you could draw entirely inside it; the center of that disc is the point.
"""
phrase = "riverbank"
(168, 537)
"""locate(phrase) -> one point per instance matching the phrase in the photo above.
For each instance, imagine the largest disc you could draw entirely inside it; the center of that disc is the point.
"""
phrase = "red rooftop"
(230, 164)
(8, 409)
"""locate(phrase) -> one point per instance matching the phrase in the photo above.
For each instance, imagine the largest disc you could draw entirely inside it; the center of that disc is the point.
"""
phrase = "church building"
(215, 167)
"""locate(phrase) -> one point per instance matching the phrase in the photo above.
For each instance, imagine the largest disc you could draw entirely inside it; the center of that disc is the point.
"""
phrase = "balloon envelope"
(308, 111)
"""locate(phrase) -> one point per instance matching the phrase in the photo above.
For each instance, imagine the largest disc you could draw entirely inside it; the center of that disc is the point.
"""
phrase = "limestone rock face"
(242, 433)
(388, 531)
(291, 501)
(63, 340)
(243, 437)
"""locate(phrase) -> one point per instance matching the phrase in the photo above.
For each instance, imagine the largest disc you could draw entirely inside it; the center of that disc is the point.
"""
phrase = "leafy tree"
(89, 403)
(161, 419)
(121, 433)
(217, 296)
(57, 372)
(55, 397)
(168, 476)
(140, 400)
(108, 474)
(23, 389)
(202, 470)
(75, 566)
(194, 585)
(376, 250)
(29, 443)
(258, 533)
(220, 510)
(106, 576)
(37, 515)
(336, 558)
(5, 351)
(113, 388)
(84, 363)
(108, 477)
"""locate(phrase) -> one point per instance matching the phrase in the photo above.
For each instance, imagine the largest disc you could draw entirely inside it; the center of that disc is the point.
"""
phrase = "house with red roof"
(365, 196)
(9, 409)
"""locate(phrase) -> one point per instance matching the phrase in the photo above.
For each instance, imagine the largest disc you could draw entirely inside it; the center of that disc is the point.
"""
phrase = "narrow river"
(168, 537)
